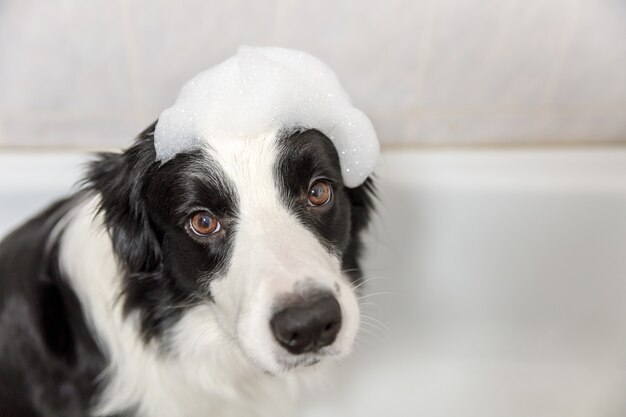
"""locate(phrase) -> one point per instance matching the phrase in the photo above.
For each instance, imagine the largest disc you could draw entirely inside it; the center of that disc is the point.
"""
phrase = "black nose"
(305, 326)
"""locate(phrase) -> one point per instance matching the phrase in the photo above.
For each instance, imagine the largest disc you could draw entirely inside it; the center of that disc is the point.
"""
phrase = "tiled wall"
(94, 73)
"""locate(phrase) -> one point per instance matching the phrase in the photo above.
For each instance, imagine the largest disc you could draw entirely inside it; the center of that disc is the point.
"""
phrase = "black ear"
(362, 205)
(120, 180)
(123, 183)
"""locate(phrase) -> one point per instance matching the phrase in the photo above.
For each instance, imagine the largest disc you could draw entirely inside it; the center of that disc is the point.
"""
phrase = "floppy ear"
(120, 179)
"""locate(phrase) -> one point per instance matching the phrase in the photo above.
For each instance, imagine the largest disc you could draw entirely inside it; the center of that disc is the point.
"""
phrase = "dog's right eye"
(204, 223)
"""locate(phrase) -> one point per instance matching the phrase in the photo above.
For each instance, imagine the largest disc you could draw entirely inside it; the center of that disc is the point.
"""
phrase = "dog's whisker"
(378, 331)
(376, 294)
(364, 281)
(376, 325)
(375, 329)
(368, 304)
(376, 336)
(375, 320)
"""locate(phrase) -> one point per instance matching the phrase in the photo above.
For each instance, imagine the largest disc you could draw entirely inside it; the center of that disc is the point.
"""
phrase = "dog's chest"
(199, 390)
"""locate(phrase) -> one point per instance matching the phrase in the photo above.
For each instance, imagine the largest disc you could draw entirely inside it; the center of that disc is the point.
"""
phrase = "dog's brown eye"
(320, 193)
(204, 223)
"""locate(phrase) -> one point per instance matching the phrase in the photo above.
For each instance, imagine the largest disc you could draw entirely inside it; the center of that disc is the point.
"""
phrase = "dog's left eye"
(204, 223)
(320, 193)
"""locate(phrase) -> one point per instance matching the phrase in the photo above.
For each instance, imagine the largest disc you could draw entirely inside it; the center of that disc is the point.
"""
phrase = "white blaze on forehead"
(265, 89)
(272, 255)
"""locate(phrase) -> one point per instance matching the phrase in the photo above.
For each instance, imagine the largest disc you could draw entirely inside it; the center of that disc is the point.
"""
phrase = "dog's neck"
(209, 377)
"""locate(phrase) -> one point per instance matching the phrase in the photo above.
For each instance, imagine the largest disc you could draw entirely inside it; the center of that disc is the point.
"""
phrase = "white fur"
(273, 253)
(223, 360)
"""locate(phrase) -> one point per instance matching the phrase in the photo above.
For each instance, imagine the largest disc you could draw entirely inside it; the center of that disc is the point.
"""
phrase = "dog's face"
(254, 239)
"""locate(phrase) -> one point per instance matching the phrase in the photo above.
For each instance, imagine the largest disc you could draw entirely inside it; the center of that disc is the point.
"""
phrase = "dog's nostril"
(330, 327)
(295, 337)
(308, 325)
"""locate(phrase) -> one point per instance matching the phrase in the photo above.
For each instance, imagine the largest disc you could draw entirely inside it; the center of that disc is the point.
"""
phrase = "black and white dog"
(209, 285)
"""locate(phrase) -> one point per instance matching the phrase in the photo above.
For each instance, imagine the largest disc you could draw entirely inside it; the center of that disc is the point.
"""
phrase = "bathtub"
(497, 281)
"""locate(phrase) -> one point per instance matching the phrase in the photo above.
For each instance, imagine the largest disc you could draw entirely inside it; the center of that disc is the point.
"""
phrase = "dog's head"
(254, 240)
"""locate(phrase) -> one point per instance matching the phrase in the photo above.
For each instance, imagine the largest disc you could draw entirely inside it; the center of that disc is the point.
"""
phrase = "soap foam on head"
(268, 89)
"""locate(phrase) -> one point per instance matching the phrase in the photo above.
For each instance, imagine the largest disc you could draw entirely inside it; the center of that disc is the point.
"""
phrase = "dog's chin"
(282, 362)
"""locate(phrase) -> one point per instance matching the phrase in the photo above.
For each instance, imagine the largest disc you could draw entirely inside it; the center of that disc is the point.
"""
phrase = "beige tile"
(498, 54)
(594, 68)
(67, 62)
(374, 46)
(174, 41)
(485, 127)
(2, 134)
(79, 132)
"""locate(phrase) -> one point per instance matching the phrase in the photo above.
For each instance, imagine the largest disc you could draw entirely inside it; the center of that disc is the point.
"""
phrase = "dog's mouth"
(290, 365)
(290, 362)
(280, 361)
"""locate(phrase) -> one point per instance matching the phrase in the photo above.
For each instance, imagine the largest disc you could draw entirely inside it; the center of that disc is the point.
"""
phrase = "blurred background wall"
(88, 74)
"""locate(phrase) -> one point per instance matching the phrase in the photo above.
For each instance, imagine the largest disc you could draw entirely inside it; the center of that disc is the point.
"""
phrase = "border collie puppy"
(208, 285)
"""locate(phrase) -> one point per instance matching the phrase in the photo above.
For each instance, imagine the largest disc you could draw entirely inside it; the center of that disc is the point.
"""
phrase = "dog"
(214, 284)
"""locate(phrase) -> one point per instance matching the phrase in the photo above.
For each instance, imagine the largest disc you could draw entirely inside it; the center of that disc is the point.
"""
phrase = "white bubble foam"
(265, 89)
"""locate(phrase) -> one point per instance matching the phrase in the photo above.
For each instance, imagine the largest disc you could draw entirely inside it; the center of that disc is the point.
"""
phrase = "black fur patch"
(308, 155)
(49, 361)
(146, 205)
